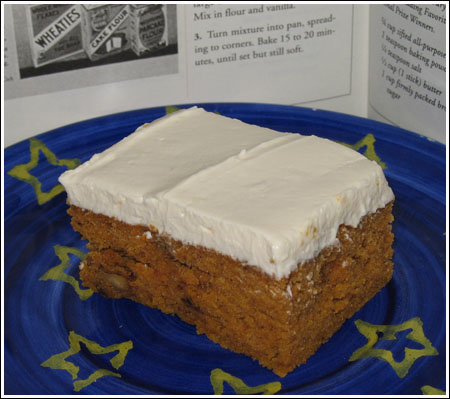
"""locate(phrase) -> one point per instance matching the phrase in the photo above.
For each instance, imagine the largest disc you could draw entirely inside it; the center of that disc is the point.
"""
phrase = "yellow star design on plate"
(367, 141)
(57, 273)
(59, 362)
(388, 333)
(22, 171)
(429, 390)
(171, 108)
(218, 377)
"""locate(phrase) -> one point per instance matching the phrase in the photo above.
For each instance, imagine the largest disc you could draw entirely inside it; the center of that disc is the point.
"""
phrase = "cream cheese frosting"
(269, 199)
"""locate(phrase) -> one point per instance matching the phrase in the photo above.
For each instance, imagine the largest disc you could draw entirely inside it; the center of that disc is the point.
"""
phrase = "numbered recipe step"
(240, 33)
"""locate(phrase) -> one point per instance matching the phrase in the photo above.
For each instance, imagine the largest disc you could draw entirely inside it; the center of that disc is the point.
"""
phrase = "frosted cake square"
(265, 241)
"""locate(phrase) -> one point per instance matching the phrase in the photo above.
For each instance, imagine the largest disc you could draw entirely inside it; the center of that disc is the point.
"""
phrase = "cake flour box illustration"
(54, 32)
(104, 29)
(148, 27)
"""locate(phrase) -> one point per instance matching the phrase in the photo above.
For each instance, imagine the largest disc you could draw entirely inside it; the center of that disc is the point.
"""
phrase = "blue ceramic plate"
(60, 338)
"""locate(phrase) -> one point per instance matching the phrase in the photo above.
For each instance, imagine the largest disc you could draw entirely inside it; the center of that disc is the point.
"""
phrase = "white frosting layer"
(267, 198)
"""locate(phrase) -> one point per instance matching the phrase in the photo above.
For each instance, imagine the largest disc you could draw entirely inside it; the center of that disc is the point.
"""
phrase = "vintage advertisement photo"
(57, 38)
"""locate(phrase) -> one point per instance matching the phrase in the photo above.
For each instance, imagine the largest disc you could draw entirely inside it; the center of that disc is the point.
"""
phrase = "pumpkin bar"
(266, 241)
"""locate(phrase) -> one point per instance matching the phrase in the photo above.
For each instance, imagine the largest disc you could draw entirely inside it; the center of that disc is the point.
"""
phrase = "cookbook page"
(407, 67)
(69, 62)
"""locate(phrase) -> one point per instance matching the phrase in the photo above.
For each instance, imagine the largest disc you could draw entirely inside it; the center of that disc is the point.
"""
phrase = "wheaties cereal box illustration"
(105, 29)
(54, 32)
(148, 27)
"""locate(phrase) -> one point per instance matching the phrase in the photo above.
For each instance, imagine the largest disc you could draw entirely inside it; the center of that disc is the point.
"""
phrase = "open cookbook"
(65, 63)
